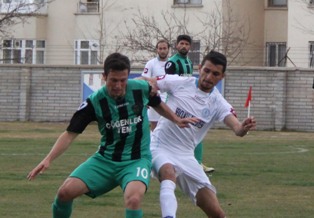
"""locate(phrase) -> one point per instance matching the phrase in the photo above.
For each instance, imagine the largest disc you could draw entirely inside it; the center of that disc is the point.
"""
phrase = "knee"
(167, 172)
(133, 201)
(64, 194)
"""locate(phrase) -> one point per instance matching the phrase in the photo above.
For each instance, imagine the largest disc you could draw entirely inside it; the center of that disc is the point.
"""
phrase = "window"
(23, 51)
(194, 53)
(276, 54)
(190, 2)
(86, 52)
(277, 3)
(311, 61)
(88, 6)
(40, 51)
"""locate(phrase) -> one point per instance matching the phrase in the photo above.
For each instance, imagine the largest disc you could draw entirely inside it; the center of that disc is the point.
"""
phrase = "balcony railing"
(88, 7)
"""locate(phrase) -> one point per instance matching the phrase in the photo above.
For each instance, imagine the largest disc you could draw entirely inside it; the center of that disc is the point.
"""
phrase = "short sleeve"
(170, 67)
(82, 117)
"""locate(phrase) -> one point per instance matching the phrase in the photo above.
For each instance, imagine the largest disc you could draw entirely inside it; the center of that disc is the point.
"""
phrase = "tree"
(104, 31)
(15, 12)
(221, 30)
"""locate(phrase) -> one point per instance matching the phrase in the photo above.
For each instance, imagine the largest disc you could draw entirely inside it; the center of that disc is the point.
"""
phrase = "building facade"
(83, 32)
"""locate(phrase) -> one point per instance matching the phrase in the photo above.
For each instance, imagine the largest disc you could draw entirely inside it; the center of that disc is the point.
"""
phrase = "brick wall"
(40, 93)
(283, 98)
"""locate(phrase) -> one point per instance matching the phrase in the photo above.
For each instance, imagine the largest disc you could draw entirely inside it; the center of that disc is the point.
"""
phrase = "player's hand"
(39, 169)
(249, 124)
(153, 83)
(185, 122)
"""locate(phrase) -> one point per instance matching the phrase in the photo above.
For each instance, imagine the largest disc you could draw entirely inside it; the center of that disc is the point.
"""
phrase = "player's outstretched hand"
(185, 122)
(249, 124)
(39, 169)
(153, 83)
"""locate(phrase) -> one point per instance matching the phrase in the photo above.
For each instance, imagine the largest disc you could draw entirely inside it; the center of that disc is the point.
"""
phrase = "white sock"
(168, 200)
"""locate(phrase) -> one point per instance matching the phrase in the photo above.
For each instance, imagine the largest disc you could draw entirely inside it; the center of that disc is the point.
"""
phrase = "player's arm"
(165, 83)
(62, 144)
(166, 112)
(240, 129)
(81, 118)
(170, 67)
(147, 72)
(153, 89)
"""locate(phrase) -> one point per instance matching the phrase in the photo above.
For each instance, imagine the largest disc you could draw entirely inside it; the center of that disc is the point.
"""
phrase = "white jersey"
(186, 100)
(155, 68)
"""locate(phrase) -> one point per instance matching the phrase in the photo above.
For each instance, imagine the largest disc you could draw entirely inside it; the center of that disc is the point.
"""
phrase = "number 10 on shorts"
(141, 172)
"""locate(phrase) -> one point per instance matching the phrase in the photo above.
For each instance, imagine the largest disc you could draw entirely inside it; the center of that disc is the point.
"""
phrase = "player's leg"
(85, 179)
(198, 153)
(195, 183)
(69, 190)
(207, 200)
(134, 179)
(133, 196)
(168, 200)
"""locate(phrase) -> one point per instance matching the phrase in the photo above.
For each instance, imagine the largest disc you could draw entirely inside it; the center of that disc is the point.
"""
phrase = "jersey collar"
(196, 85)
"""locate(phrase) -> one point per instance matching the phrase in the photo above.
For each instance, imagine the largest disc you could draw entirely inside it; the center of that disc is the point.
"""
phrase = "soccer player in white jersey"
(154, 68)
(192, 97)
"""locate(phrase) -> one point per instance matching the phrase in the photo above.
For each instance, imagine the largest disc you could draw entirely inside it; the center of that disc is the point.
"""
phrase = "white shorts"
(189, 173)
(153, 116)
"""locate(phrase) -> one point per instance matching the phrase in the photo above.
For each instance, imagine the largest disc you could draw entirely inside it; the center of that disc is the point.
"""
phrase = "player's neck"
(162, 59)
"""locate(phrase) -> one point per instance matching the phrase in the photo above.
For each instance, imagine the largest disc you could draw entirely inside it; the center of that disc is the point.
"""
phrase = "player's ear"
(223, 75)
(199, 68)
(104, 76)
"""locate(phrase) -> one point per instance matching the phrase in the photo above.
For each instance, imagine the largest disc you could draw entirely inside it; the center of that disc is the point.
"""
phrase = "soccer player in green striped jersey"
(123, 157)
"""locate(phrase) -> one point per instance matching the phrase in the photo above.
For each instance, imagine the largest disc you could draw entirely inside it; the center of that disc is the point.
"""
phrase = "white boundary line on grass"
(294, 150)
(38, 154)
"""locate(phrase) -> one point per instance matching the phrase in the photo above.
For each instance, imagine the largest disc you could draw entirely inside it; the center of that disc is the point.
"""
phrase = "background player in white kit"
(192, 97)
(154, 68)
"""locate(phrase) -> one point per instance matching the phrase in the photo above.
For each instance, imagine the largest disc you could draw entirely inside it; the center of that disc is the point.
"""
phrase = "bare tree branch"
(228, 34)
(18, 12)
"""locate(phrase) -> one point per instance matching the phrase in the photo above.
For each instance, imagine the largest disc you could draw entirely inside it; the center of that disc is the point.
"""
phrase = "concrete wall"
(39, 93)
(283, 98)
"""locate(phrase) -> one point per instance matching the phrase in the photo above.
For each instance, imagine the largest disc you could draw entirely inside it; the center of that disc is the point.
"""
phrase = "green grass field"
(265, 174)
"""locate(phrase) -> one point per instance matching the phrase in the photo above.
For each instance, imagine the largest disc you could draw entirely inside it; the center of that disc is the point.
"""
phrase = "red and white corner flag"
(248, 101)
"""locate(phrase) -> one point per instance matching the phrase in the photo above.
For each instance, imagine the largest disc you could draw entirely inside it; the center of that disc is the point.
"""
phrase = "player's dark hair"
(116, 62)
(162, 41)
(216, 58)
(184, 37)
